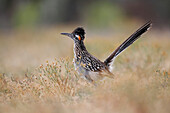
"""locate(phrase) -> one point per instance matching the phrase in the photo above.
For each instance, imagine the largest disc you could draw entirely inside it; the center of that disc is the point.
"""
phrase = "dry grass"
(141, 84)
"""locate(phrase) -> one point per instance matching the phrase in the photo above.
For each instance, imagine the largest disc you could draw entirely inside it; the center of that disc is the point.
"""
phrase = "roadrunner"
(89, 66)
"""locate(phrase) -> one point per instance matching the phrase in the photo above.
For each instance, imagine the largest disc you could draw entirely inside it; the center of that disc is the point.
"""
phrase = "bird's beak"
(67, 34)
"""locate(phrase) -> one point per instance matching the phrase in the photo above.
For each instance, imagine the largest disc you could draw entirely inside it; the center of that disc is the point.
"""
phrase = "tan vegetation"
(37, 75)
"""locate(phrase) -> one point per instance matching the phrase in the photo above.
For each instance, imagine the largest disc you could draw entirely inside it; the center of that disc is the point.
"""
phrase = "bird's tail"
(128, 42)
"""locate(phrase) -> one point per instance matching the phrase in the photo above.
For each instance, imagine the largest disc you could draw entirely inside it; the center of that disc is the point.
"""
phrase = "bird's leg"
(90, 80)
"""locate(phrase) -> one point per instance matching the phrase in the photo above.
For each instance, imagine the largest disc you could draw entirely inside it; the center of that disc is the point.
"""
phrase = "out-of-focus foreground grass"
(37, 75)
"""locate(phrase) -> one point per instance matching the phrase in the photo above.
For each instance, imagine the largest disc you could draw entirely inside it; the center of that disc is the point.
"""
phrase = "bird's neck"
(79, 47)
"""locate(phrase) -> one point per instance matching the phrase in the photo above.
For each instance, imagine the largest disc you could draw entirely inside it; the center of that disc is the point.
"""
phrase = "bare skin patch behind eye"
(78, 36)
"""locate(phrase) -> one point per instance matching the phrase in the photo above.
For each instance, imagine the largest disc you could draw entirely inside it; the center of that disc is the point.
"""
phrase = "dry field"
(37, 74)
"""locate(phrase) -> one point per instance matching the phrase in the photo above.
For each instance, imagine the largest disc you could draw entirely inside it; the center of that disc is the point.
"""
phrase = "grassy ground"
(37, 74)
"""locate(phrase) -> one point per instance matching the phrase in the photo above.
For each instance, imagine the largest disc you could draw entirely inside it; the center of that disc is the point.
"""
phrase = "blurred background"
(31, 13)
(30, 29)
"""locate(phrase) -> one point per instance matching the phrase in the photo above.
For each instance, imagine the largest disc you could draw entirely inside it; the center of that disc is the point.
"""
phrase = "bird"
(90, 67)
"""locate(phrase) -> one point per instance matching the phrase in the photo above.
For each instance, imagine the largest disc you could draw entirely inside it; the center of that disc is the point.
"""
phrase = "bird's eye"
(78, 36)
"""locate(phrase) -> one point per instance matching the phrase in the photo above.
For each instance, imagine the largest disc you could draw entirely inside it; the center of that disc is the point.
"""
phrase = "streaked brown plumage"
(89, 66)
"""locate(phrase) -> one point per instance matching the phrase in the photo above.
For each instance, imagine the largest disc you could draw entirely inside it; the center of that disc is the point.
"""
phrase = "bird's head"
(77, 35)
